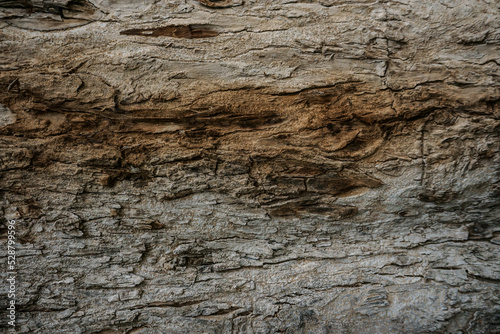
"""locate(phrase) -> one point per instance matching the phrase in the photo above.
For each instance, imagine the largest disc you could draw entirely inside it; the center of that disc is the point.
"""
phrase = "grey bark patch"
(7, 117)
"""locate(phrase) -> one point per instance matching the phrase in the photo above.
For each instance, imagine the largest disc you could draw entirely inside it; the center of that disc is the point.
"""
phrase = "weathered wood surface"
(325, 166)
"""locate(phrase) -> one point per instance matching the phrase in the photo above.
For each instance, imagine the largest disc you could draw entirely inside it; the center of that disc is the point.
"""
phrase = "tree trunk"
(258, 166)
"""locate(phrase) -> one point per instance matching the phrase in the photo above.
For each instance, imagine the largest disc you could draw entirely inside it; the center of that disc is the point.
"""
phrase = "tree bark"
(325, 166)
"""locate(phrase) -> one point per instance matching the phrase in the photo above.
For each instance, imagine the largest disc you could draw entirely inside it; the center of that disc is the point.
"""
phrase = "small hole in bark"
(333, 128)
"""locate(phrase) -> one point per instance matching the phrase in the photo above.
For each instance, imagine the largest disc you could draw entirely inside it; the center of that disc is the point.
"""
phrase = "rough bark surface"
(296, 166)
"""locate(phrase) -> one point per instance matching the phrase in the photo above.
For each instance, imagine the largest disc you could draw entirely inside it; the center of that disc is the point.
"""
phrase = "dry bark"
(300, 166)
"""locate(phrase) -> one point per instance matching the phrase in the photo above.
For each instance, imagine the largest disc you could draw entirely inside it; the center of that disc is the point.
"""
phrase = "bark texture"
(258, 166)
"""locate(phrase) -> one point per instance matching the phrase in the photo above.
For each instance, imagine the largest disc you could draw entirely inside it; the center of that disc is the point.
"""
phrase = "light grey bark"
(323, 166)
